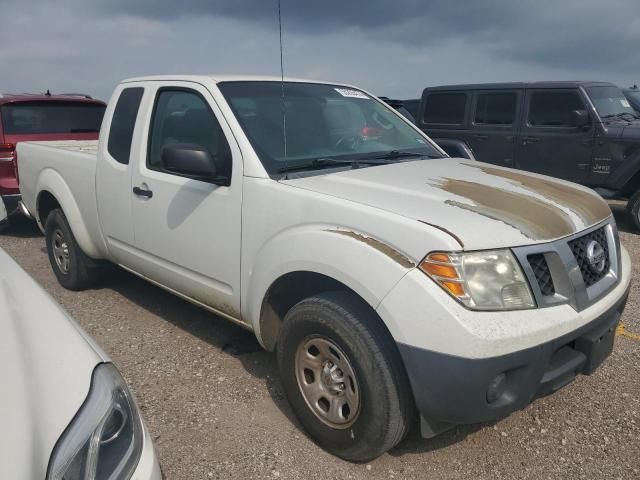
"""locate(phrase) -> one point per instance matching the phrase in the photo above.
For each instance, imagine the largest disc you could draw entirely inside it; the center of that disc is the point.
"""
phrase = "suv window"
(52, 116)
(183, 116)
(123, 123)
(497, 108)
(445, 108)
(553, 109)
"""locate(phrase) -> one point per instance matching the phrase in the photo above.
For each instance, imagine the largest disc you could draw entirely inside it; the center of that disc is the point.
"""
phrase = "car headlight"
(486, 280)
(104, 440)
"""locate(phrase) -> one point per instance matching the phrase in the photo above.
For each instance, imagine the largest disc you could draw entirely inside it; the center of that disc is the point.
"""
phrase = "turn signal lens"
(441, 267)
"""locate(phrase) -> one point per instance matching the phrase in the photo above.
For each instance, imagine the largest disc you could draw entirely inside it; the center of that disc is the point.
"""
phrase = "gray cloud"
(577, 33)
(395, 48)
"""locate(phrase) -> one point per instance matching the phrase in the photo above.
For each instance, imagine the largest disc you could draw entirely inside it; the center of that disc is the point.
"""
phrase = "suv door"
(187, 229)
(549, 144)
(494, 126)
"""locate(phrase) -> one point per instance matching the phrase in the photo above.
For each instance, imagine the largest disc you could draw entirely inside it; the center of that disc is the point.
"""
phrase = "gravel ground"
(216, 409)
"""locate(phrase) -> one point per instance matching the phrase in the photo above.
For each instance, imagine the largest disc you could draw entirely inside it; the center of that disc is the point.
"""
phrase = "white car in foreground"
(66, 412)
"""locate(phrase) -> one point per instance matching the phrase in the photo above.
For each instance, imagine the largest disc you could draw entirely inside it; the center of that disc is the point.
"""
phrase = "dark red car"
(27, 117)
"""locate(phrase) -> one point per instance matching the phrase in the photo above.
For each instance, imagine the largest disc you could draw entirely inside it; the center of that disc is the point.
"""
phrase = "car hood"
(46, 362)
(481, 205)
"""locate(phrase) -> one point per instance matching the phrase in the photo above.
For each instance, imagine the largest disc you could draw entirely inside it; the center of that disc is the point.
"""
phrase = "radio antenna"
(284, 107)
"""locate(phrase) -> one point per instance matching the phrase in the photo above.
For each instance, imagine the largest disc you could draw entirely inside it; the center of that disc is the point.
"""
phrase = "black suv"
(585, 132)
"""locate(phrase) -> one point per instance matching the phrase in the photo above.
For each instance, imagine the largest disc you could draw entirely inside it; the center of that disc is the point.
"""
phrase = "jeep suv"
(28, 117)
(585, 132)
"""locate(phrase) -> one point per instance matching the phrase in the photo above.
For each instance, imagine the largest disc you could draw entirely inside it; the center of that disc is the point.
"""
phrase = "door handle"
(482, 137)
(142, 192)
(526, 140)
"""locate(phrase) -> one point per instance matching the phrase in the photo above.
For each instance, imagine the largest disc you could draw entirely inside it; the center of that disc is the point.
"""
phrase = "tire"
(73, 269)
(633, 211)
(384, 412)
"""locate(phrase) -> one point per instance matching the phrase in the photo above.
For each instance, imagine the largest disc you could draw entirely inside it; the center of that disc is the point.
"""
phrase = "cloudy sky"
(392, 48)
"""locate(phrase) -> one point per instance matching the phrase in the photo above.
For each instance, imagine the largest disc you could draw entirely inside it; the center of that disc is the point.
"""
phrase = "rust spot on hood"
(589, 207)
(540, 209)
(533, 217)
(382, 247)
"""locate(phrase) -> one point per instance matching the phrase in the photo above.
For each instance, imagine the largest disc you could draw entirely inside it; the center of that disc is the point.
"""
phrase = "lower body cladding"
(452, 390)
(468, 367)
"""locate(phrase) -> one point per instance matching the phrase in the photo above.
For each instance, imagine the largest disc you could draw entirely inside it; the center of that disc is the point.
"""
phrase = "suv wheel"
(633, 210)
(73, 269)
(343, 376)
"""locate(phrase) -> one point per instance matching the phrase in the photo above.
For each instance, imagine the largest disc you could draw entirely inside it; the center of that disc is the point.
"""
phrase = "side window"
(553, 109)
(497, 108)
(445, 108)
(184, 117)
(123, 123)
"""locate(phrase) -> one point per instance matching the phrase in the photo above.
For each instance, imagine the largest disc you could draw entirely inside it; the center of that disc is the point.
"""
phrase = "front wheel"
(343, 376)
(73, 269)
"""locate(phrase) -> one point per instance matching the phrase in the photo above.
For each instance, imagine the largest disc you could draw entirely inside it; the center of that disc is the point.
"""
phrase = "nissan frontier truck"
(394, 282)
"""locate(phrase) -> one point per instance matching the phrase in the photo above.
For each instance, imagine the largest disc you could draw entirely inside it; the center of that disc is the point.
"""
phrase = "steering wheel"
(349, 142)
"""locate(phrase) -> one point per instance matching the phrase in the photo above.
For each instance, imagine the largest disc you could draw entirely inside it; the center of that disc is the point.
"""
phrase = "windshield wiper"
(83, 130)
(621, 115)
(395, 154)
(332, 162)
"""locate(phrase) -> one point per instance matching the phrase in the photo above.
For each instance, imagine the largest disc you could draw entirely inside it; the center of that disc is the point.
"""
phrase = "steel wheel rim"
(60, 249)
(327, 382)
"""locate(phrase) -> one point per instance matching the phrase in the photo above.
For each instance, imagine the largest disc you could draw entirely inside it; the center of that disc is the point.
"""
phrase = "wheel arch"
(53, 193)
(291, 288)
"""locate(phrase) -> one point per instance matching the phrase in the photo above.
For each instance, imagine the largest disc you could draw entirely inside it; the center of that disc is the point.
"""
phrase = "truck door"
(549, 143)
(187, 228)
(494, 126)
(113, 171)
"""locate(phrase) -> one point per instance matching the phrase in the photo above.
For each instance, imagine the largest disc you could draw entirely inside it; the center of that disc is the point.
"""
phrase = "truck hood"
(482, 206)
(47, 362)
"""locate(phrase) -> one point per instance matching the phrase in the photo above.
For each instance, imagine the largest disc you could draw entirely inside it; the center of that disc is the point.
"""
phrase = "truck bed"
(67, 167)
(89, 147)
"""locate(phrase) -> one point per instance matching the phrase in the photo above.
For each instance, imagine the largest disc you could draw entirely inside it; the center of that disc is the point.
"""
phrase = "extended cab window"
(553, 109)
(184, 117)
(445, 108)
(495, 108)
(123, 123)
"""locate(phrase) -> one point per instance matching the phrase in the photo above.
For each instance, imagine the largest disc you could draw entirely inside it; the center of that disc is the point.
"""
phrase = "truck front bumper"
(452, 390)
(469, 366)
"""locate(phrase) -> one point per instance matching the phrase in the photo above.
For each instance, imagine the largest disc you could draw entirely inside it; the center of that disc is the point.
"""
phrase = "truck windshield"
(320, 126)
(610, 101)
(24, 118)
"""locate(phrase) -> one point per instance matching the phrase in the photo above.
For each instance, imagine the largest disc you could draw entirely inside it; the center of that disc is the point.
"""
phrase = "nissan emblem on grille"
(595, 256)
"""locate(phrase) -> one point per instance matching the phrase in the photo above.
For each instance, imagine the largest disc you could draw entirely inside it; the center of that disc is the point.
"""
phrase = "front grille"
(543, 274)
(579, 249)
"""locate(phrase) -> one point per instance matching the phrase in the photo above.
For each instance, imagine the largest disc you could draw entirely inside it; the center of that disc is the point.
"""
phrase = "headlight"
(104, 440)
(487, 280)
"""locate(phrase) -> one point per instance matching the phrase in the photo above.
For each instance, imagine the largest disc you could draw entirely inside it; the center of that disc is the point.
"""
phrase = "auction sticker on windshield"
(347, 92)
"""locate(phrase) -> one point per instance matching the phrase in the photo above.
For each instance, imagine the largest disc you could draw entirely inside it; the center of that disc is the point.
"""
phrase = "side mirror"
(579, 118)
(190, 160)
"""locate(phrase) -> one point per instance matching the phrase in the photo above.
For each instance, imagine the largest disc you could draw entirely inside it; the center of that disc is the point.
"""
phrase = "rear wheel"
(343, 376)
(73, 269)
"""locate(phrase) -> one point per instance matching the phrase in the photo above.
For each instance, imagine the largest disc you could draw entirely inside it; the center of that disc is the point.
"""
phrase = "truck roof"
(516, 85)
(217, 78)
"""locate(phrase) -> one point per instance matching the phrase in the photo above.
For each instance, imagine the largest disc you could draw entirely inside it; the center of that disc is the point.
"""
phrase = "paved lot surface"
(215, 407)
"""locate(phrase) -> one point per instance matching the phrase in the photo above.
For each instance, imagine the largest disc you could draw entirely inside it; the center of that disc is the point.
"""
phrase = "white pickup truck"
(390, 278)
